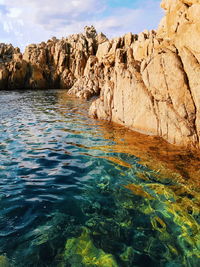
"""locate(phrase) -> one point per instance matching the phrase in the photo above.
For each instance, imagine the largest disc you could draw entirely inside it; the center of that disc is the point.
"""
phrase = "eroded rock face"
(154, 85)
(147, 82)
(13, 69)
(54, 64)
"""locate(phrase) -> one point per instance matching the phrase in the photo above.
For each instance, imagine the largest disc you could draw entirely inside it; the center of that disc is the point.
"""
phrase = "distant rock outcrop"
(147, 82)
(54, 64)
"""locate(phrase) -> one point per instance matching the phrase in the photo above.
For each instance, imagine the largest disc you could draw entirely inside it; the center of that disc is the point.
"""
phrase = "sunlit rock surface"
(153, 86)
(148, 82)
(54, 64)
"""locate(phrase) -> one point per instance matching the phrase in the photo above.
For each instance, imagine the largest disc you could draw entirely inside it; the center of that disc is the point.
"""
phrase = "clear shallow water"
(71, 194)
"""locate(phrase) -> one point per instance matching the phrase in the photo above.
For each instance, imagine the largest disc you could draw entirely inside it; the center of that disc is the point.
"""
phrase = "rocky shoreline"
(147, 82)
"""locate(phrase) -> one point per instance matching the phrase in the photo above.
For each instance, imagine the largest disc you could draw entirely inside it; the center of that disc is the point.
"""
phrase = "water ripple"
(60, 173)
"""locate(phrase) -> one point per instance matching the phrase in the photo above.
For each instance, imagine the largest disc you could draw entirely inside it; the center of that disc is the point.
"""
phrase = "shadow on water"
(80, 192)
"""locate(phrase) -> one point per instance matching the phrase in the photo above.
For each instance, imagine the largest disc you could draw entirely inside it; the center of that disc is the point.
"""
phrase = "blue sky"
(30, 21)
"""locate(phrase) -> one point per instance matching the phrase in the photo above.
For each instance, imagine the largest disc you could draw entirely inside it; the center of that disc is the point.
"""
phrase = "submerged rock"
(145, 222)
(4, 262)
(82, 252)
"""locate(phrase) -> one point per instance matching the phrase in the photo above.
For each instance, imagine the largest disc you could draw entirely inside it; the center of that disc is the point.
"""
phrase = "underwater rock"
(48, 240)
(82, 252)
(144, 221)
(4, 262)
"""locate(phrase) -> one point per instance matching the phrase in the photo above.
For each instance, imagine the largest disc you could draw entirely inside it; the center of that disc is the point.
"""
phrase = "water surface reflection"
(80, 192)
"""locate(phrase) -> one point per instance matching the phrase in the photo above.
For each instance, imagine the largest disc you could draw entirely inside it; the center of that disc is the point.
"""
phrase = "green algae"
(127, 255)
(170, 218)
(82, 252)
(145, 221)
(4, 262)
(124, 213)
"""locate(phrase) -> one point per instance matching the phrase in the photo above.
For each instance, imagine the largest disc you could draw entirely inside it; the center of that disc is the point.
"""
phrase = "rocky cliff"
(151, 81)
(147, 82)
(54, 64)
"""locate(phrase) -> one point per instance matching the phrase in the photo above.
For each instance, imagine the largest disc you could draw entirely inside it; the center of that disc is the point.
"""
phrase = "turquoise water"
(69, 198)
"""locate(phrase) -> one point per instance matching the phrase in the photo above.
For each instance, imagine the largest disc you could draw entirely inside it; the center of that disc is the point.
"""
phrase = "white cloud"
(14, 12)
(35, 20)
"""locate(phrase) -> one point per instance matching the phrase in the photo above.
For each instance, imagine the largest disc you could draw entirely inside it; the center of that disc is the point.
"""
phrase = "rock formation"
(147, 82)
(152, 85)
(54, 64)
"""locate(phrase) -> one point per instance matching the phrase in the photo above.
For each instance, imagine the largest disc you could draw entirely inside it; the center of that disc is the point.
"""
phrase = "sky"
(24, 22)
